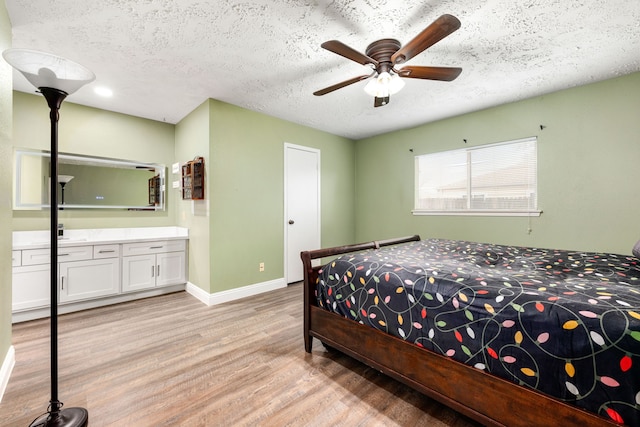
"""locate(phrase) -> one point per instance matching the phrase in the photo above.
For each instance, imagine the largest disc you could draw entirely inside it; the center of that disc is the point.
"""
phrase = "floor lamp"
(55, 78)
(63, 180)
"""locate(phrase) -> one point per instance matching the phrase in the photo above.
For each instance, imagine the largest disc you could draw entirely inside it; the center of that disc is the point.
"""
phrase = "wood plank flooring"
(172, 361)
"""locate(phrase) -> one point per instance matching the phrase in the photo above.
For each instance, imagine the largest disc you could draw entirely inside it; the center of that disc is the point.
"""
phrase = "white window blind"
(495, 179)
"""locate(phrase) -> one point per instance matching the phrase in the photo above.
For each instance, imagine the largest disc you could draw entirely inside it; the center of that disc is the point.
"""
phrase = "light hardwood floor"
(172, 361)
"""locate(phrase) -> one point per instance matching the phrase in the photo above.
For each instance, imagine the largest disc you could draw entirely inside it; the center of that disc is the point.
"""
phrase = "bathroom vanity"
(96, 267)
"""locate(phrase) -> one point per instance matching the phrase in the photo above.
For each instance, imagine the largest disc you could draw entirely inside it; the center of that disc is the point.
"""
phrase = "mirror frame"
(159, 169)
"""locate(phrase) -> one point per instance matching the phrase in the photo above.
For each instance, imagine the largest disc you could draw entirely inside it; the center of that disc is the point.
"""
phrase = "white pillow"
(636, 249)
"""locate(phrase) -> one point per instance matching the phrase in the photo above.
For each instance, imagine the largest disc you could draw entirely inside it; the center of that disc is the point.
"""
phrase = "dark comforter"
(564, 323)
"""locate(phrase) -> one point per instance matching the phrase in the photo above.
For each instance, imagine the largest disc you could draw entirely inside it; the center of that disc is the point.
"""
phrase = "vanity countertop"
(40, 239)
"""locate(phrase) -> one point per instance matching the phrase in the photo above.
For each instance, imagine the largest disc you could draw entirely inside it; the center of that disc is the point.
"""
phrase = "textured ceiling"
(163, 58)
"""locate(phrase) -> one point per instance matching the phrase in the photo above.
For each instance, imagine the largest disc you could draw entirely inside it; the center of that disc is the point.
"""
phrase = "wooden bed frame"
(483, 397)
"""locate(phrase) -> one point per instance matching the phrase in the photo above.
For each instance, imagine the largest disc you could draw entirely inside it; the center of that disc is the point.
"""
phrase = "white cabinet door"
(148, 271)
(138, 272)
(82, 280)
(170, 268)
(31, 287)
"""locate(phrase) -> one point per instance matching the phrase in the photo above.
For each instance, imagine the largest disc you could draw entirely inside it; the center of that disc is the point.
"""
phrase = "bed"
(505, 335)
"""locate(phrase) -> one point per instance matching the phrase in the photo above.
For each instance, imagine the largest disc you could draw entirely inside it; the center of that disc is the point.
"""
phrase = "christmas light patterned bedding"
(564, 323)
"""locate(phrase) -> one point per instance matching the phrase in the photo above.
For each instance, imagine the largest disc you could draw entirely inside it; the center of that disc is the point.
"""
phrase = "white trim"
(6, 369)
(40, 312)
(318, 245)
(198, 293)
(234, 294)
(477, 213)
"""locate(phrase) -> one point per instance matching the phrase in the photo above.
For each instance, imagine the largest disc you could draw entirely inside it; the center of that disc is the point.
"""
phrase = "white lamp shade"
(43, 69)
(395, 84)
(65, 178)
(384, 85)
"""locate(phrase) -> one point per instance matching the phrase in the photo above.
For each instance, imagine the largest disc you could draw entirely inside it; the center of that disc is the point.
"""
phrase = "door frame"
(285, 220)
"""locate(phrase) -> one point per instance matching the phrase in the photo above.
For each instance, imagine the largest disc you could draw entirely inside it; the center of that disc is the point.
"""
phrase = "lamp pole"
(71, 416)
(55, 78)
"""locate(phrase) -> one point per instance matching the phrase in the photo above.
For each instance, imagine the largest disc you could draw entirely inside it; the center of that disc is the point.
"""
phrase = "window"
(495, 179)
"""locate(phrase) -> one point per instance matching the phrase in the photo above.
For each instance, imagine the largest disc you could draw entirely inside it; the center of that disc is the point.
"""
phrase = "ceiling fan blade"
(342, 49)
(439, 29)
(337, 86)
(446, 74)
(379, 102)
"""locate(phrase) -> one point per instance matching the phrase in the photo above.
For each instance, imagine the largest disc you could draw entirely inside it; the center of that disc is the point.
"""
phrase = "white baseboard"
(197, 292)
(6, 369)
(234, 294)
(38, 313)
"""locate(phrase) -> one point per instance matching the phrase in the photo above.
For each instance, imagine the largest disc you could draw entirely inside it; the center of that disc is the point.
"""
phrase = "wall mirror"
(87, 182)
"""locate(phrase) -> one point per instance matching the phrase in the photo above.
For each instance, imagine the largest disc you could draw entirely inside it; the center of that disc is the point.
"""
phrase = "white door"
(302, 206)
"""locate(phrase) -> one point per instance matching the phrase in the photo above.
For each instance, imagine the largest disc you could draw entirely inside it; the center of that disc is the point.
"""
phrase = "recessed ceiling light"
(103, 91)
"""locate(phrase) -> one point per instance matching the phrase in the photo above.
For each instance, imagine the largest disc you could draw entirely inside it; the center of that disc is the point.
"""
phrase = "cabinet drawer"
(160, 246)
(41, 256)
(16, 258)
(35, 256)
(75, 253)
(106, 251)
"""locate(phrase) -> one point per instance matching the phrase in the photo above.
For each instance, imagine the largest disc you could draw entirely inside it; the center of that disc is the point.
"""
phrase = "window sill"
(475, 213)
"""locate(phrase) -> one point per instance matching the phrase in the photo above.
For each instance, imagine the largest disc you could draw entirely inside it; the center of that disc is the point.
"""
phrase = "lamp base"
(69, 417)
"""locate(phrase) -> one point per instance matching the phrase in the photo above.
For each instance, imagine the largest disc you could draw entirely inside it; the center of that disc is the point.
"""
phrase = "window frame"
(532, 212)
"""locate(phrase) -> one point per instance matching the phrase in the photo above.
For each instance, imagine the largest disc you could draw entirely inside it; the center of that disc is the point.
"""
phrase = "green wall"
(588, 171)
(241, 221)
(192, 140)
(6, 156)
(246, 190)
(90, 131)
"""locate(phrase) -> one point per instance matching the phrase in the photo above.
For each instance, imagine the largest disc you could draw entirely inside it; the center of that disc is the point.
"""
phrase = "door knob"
(291, 222)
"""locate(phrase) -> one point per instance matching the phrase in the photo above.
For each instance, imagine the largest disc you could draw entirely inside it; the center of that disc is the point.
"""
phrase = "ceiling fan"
(383, 55)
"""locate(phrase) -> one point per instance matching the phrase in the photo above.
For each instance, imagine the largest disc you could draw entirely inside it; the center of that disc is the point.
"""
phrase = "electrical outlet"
(261, 266)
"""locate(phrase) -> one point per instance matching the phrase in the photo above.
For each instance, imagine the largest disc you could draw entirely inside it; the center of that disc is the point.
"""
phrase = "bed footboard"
(311, 273)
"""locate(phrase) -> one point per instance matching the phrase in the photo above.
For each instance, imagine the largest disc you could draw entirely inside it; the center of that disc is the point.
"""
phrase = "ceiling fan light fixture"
(395, 84)
(384, 84)
(384, 54)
